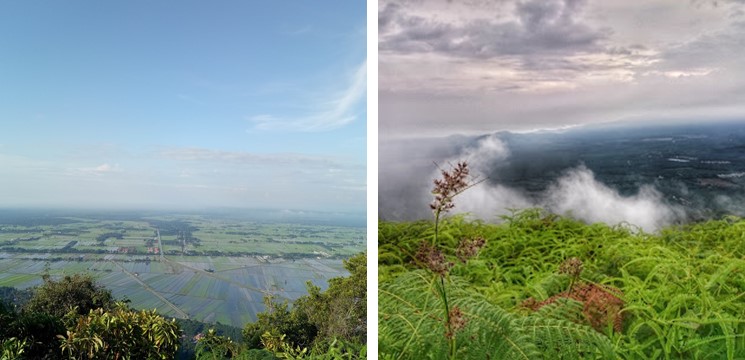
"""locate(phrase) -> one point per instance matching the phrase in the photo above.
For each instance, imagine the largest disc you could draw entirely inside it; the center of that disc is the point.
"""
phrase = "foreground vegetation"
(540, 286)
(74, 318)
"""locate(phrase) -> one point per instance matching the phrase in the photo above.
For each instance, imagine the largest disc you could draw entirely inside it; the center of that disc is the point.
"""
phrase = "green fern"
(562, 309)
(683, 289)
(411, 327)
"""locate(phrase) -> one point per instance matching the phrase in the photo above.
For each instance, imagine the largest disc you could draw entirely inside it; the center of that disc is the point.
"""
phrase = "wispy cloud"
(337, 111)
(209, 155)
(301, 30)
(189, 98)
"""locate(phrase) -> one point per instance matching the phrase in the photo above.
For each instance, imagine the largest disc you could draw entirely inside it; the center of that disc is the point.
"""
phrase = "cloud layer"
(484, 66)
(549, 27)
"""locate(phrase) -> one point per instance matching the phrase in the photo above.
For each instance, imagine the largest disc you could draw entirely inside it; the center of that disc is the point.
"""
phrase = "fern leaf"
(411, 326)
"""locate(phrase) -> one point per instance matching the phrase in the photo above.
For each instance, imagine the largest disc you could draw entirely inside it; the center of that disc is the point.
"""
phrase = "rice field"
(221, 273)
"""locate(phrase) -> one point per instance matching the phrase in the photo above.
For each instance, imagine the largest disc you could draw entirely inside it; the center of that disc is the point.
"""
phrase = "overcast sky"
(175, 104)
(480, 66)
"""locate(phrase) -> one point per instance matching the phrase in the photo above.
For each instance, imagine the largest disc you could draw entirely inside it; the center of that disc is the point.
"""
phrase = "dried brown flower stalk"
(456, 321)
(571, 267)
(433, 259)
(453, 182)
(469, 247)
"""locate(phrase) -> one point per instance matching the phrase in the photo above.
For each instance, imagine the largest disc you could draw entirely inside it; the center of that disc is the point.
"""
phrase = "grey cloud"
(386, 16)
(450, 68)
(546, 27)
(539, 15)
(709, 50)
(421, 34)
(716, 3)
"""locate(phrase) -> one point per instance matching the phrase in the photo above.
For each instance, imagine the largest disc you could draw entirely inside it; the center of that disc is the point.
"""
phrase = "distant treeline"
(21, 231)
(36, 221)
(63, 250)
(133, 251)
(173, 227)
(17, 240)
(109, 235)
(303, 232)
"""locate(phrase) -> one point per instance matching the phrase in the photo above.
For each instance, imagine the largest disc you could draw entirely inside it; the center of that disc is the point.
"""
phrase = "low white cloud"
(96, 171)
(338, 110)
(581, 196)
(487, 201)
(575, 193)
(487, 151)
(104, 168)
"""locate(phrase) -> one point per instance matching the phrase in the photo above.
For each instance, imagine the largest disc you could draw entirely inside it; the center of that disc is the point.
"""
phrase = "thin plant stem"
(445, 191)
(451, 332)
(437, 225)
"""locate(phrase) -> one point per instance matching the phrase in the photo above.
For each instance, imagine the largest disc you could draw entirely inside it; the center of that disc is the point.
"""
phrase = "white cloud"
(104, 168)
(99, 170)
(580, 195)
(406, 191)
(337, 111)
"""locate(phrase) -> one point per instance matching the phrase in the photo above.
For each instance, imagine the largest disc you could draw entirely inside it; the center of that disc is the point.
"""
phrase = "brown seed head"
(433, 259)
(469, 247)
(457, 322)
(452, 183)
(571, 267)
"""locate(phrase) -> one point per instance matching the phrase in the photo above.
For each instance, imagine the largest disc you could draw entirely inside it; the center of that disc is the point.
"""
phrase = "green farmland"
(205, 268)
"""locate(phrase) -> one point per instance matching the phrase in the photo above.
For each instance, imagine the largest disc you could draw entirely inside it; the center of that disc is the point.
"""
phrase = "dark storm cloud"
(539, 26)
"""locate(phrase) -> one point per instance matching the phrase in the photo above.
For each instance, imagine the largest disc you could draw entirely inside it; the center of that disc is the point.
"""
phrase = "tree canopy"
(78, 293)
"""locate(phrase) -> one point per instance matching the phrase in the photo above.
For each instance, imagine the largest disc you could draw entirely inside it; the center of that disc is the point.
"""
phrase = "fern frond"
(562, 309)
(411, 326)
(561, 339)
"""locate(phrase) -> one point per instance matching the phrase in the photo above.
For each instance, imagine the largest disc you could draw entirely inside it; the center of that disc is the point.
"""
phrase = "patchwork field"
(197, 267)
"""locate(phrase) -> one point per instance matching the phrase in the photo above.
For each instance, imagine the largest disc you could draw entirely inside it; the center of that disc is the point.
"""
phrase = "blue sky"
(143, 104)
